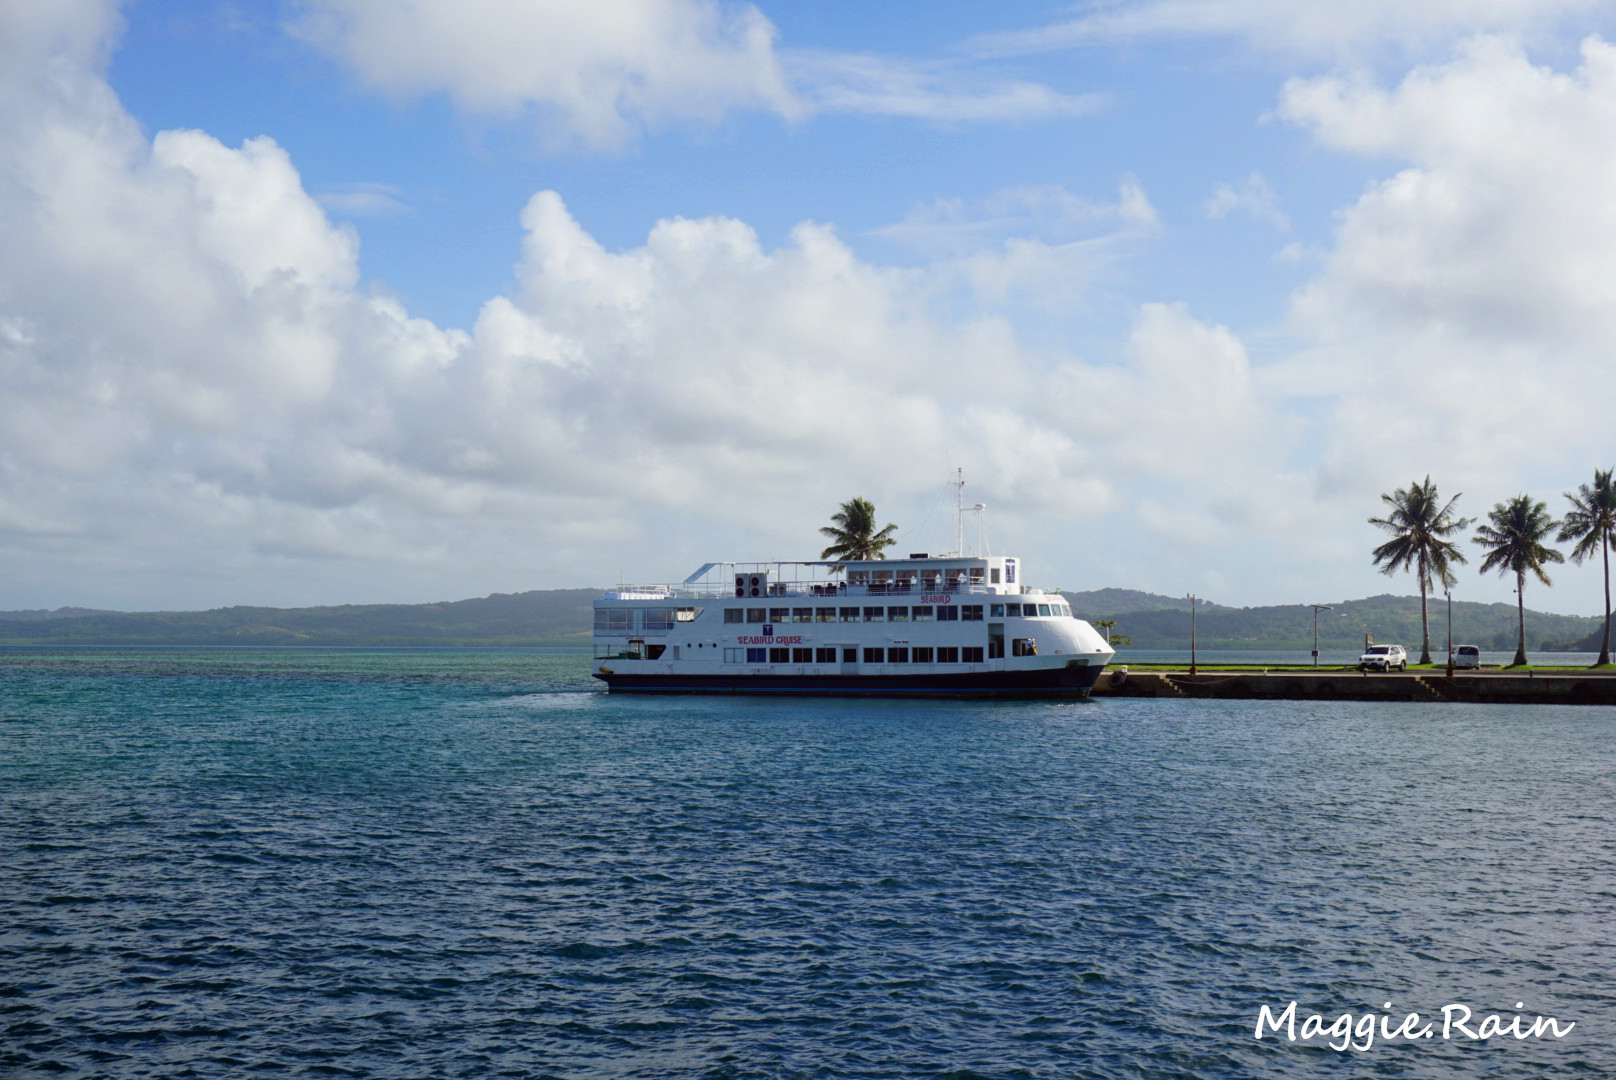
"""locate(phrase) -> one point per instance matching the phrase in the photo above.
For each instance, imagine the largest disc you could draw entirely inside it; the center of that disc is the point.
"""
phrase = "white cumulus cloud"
(598, 71)
(200, 400)
(1479, 279)
(202, 403)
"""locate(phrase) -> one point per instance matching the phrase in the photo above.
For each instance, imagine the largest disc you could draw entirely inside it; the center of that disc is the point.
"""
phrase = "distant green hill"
(1391, 619)
(1592, 642)
(554, 617)
(1112, 602)
(563, 617)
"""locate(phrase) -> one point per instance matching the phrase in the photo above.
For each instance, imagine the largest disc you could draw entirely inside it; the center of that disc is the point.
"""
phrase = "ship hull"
(1058, 683)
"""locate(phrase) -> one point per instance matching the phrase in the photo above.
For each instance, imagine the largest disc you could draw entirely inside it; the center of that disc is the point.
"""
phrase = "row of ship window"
(621, 620)
(918, 613)
(610, 619)
(898, 654)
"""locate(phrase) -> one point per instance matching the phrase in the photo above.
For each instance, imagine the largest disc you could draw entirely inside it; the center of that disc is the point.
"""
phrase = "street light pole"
(1447, 590)
(1191, 632)
(1316, 609)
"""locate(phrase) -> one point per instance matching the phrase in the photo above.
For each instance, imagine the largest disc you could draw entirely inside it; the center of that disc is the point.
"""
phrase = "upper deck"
(918, 574)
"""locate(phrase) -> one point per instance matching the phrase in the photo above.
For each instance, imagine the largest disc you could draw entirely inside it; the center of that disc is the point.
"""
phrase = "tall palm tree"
(1420, 524)
(1592, 523)
(853, 529)
(1514, 540)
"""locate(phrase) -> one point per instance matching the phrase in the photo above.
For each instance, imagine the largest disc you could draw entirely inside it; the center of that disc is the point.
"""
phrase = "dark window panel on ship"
(873, 656)
(756, 615)
(614, 620)
(734, 615)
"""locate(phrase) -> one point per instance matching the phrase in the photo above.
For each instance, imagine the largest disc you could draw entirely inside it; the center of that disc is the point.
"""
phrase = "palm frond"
(1420, 524)
(853, 530)
(1592, 518)
(1515, 538)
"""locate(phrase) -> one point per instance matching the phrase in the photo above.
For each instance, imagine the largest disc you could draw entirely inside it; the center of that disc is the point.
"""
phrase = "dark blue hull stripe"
(1049, 683)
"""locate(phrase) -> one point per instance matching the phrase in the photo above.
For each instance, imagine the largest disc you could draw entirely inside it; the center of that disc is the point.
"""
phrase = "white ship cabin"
(946, 610)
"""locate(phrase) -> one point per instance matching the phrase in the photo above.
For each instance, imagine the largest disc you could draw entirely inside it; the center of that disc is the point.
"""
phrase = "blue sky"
(346, 301)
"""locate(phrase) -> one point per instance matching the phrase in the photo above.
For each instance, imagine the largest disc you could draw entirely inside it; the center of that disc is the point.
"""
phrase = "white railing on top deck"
(805, 590)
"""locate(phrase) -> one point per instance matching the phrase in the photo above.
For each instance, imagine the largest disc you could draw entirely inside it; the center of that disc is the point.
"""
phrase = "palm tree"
(1420, 524)
(1514, 540)
(1592, 523)
(853, 529)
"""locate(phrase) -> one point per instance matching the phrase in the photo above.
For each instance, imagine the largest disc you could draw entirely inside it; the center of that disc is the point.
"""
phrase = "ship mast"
(959, 512)
(959, 518)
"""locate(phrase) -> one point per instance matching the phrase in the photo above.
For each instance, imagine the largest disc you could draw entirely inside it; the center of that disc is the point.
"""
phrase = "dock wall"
(1529, 689)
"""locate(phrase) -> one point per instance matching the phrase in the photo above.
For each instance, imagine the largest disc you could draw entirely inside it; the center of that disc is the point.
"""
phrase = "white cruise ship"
(949, 626)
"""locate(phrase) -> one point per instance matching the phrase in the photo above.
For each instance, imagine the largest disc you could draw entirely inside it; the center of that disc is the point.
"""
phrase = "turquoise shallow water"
(221, 863)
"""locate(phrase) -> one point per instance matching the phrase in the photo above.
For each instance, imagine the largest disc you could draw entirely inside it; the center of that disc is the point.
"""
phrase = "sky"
(392, 301)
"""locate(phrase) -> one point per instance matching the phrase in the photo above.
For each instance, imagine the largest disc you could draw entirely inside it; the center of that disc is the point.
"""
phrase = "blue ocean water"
(224, 863)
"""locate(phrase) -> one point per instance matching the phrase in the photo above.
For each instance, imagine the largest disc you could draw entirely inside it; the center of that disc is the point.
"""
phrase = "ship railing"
(799, 590)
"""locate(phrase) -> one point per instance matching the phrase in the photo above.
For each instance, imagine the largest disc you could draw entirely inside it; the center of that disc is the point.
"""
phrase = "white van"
(1467, 656)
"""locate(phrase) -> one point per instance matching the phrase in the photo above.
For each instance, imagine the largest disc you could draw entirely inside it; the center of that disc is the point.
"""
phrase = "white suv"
(1383, 658)
(1466, 656)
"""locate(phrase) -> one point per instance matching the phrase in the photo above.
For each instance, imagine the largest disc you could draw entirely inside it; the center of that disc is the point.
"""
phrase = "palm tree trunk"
(1425, 628)
(1520, 610)
(1604, 648)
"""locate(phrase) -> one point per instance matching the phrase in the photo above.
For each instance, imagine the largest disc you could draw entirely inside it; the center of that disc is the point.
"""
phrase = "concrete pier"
(1558, 688)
